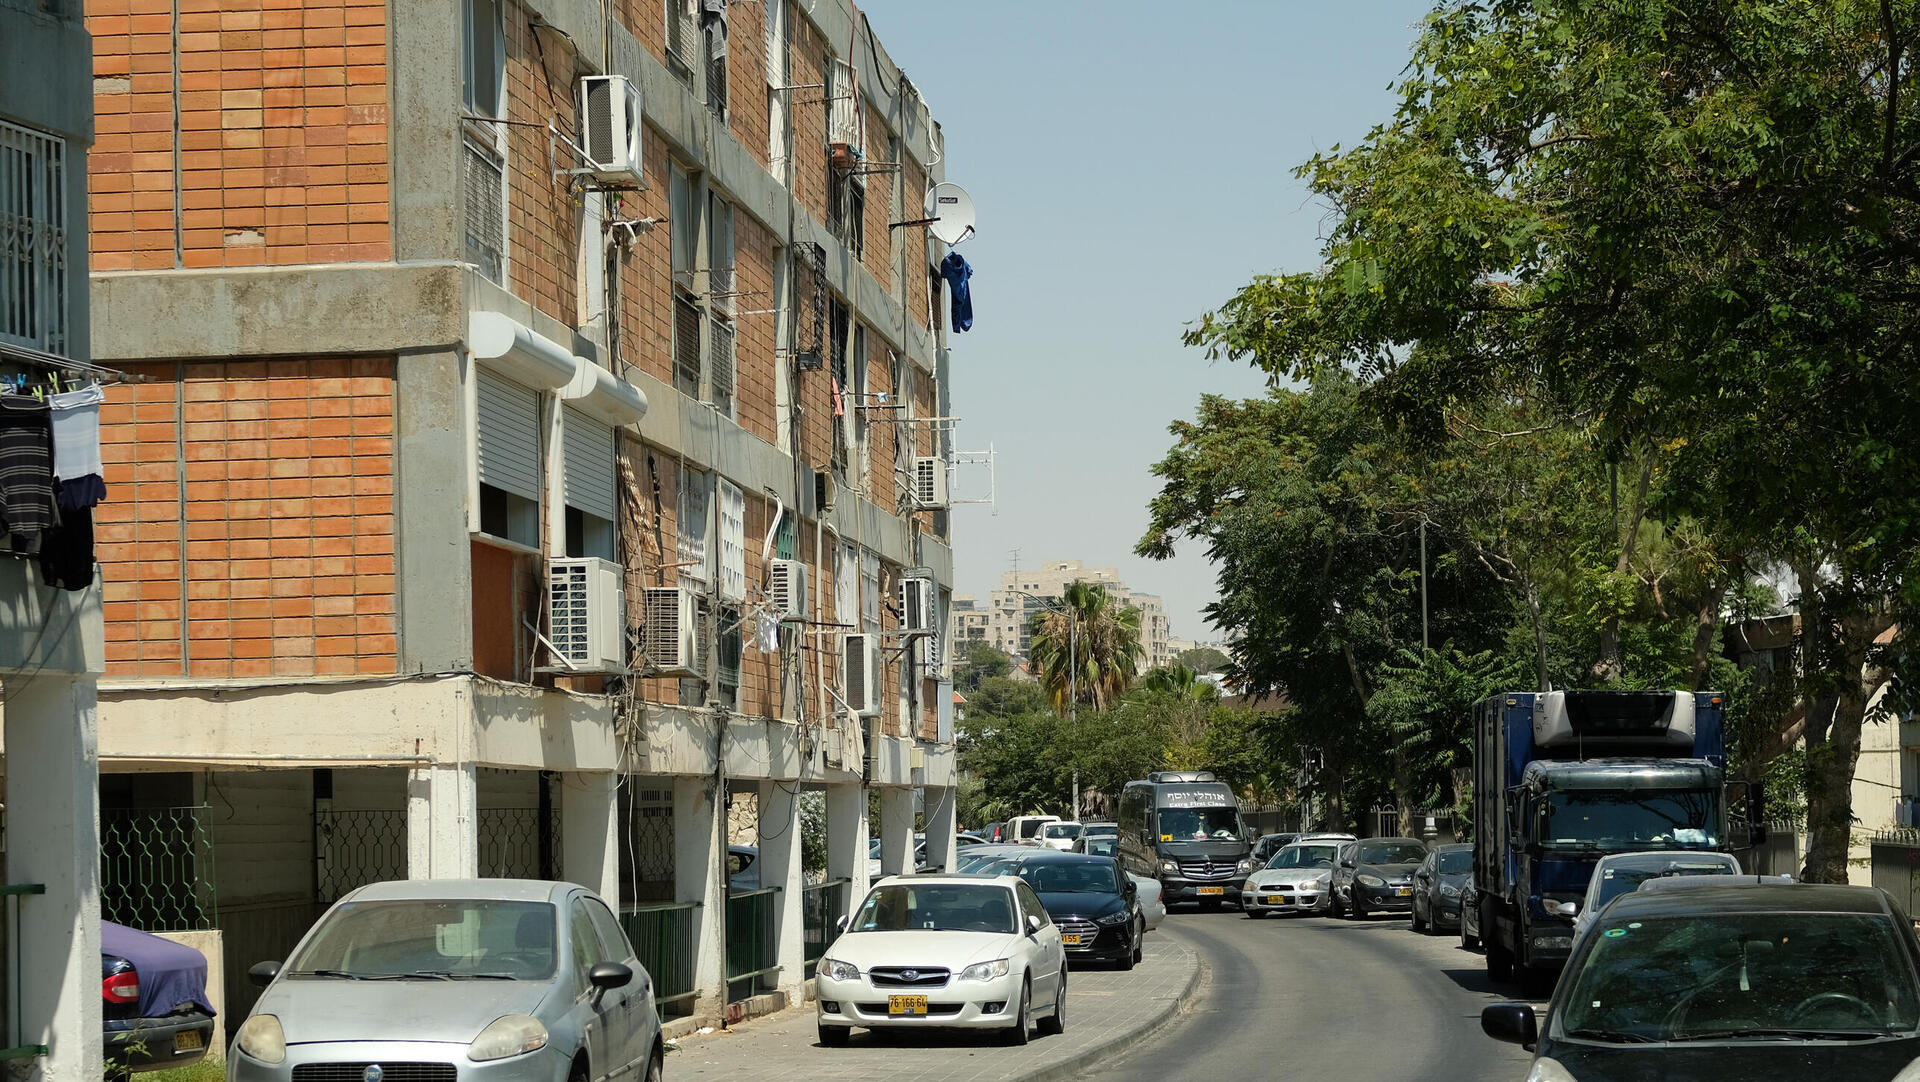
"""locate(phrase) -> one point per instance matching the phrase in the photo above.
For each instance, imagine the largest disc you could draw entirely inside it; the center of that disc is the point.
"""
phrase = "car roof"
(1662, 858)
(499, 890)
(1325, 837)
(1099, 823)
(1452, 847)
(953, 879)
(1055, 856)
(1415, 841)
(1712, 894)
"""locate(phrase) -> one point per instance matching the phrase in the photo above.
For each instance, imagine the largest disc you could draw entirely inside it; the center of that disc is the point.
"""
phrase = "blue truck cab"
(1562, 778)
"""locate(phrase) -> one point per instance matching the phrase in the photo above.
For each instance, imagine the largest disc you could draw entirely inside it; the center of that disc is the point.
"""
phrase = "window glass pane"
(483, 57)
(683, 225)
(720, 250)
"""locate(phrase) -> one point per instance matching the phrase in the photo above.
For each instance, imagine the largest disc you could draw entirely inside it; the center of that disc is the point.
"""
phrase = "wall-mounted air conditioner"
(586, 608)
(860, 668)
(823, 491)
(788, 590)
(930, 483)
(610, 113)
(671, 636)
(916, 606)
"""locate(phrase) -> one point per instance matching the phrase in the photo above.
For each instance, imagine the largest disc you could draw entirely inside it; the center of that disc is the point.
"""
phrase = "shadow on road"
(1476, 980)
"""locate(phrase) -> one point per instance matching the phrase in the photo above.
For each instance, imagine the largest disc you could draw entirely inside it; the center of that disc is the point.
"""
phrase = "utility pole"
(1073, 697)
(1423, 587)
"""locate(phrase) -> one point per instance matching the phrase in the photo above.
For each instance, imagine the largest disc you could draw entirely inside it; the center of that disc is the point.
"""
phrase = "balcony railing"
(753, 918)
(820, 906)
(663, 940)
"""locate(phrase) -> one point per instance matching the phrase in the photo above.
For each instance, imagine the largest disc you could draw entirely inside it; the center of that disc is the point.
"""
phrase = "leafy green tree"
(1088, 647)
(979, 661)
(1002, 696)
(1204, 660)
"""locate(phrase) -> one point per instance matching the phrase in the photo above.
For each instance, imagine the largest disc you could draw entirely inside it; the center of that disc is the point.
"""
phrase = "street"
(1301, 997)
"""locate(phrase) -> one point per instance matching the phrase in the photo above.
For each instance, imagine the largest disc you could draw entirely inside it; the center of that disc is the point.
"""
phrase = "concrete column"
(941, 807)
(896, 830)
(53, 808)
(442, 822)
(590, 834)
(779, 866)
(847, 840)
(699, 862)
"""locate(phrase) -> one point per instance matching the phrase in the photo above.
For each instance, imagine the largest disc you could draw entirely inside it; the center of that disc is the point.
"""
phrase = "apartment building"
(51, 639)
(1026, 591)
(969, 620)
(542, 392)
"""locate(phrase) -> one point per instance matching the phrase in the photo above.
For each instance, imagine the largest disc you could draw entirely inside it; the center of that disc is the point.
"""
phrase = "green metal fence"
(753, 951)
(820, 906)
(662, 937)
(10, 965)
(156, 869)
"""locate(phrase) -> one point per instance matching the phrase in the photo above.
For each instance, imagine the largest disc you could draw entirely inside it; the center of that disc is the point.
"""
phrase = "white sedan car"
(1148, 893)
(1294, 881)
(967, 952)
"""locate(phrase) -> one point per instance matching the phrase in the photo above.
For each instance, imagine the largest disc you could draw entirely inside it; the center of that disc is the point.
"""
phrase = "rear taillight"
(121, 988)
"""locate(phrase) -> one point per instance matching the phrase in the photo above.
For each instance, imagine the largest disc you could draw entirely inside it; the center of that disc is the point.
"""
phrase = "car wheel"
(578, 1072)
(1468, 940)
(1499, 962)
(1140, 942)
(1419, 925)
(1055, 1024)
(1253, 914)
(835, 1036)
(1021, 1030)
(1356, 909)
(656, 1065)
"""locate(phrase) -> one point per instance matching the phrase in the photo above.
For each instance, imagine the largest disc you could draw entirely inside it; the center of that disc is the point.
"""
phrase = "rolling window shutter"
(732, 505)
(588, 472)
(509, 435)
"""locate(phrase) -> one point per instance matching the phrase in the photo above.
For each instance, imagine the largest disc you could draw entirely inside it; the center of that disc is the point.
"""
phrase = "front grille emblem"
(373, 1073)
(905, 974)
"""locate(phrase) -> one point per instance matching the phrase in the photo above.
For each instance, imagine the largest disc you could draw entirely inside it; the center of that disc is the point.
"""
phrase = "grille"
(686, 347)
(389, 1072)
(599, 110)
(934, 1010)
(720, 371)
(485, 185)
(896, 977)
(1206, 870)
(1076, 926)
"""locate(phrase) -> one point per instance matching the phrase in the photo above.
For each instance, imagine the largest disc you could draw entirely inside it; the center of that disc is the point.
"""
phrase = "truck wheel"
(1536, 982)
(1499, 962)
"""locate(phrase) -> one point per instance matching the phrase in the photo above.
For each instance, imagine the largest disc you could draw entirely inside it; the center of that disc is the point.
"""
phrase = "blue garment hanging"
(955, 270)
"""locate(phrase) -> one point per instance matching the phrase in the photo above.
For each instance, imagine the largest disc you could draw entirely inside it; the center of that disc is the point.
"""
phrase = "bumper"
(959, 1004)
(156, 1043)
(1110, 945)
(1276, 899)
(1385, 899)
(1174, 891)
(549, 1064)
(1445, 913)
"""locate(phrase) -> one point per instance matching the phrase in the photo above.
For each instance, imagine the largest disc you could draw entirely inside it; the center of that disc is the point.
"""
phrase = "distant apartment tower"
(1023, 593)
(970, 621)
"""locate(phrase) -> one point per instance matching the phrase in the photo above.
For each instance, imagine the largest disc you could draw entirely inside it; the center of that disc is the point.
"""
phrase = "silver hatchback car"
(454, 981)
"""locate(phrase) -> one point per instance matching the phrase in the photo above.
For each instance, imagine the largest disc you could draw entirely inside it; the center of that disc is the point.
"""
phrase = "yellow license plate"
(1277, 899)
(907, 1006)
(1405, 892)
(1204, 891)
(187, 1040)
(1070, 940)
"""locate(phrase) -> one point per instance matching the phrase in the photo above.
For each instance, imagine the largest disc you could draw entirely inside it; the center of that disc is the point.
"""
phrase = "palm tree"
(1176, 679)
(1088, 647)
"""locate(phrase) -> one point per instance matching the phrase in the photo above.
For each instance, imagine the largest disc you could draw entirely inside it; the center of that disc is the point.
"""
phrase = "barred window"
(33, 239)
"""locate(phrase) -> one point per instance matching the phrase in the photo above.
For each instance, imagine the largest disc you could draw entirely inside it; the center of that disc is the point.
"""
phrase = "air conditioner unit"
(672, 631)
(930, 483)
(586, 609)
(930, 654)
(789, 590)
(860, 668)
(916, 606)
(822, 491)
(610, 111)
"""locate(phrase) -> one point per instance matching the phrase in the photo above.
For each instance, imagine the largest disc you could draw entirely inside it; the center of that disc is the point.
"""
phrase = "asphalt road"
(1319, 998)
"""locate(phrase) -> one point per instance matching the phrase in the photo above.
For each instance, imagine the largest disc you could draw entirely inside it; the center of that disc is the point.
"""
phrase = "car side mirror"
(840, 923)
(1346, 864)
(263, 973)
(1511, 1022)
(609, 975)
(1033, 923)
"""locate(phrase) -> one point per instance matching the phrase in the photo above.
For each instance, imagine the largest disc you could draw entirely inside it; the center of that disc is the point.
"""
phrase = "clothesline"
(27, 355)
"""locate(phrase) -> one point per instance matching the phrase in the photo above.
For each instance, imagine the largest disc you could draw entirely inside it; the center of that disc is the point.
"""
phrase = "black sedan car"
(1749, 980)
(154, 1009)
(1438, 885)
(1268, 845)
(1094, 904)
(1376, 876)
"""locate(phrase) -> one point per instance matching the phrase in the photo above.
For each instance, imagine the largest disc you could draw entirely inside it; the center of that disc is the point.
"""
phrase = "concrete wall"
(213, 946)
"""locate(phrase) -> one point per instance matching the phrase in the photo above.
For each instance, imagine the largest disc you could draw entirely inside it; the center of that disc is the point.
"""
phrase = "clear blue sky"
(1131, 169)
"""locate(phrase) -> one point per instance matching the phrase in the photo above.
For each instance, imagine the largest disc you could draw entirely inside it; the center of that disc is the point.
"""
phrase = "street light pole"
(1073, 698)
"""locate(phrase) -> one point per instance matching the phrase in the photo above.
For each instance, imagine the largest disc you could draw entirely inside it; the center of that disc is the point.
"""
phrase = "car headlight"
(1448, 890)
(1549, 1070)
(982, 971)
(1559, 908)
(1168, 867)
(839, 971)
(1371, 880)
(262, 1038)
(1111, 919)
(510, 1035)
(1246, 866)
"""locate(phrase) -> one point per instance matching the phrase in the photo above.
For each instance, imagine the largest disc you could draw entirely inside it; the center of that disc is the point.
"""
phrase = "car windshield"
(1031, 828)
(1457, 862)
(432, 938)
(1392, 852)
(1063, 830)
(1718, 975)
(1304, 856)
(1070, 877)
(1101, 830)
(990, 865)
(1616, 881)
(936, 907)
(1662, 817)
(1101, 847)
(1196, 824)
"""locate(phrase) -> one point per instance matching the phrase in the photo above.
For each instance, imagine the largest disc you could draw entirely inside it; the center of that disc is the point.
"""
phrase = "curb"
(1123, 1043)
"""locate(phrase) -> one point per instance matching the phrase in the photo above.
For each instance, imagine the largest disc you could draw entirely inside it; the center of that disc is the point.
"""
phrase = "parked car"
(1099, 829)
(993, 833)
(1746, 979)
(1095, 904)
(1096, 845)
(743, 868)
(1376, 875)
(1269, 844)
(494, 977)
(1622, 873)
(155, 1009)
(1469, 916)
(1060, 835)
(1297, 879)
(978, 859)
(1437, 886)
(1025, 829)
(944, 951)
(1152, 909)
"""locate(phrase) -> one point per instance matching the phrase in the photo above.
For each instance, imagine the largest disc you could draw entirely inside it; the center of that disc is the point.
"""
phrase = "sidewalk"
(1107, 1012)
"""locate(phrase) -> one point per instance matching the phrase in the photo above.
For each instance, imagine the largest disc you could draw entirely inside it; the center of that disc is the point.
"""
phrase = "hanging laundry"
(76, 447)
(26, 471)
(839, 406)
(766, 633)
(955, 270)
(713, 21)
(66, 551)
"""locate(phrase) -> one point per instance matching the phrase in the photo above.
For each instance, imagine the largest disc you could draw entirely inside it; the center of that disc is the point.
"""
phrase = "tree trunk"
(1706, 621)
(1539, 634)
(1830, 766)
(1606, 669)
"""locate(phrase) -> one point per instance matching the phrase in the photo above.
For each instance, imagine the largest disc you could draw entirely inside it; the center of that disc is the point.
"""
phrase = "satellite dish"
(951, 209)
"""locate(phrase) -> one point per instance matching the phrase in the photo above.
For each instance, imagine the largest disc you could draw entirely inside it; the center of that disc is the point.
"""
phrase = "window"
(683, 39)
(732, 505)
(484, 57)
(613, 942)
(586, 946)
(33, 252)
(695, 506)
(507, 459)
(714, 59)
(727, 662)
(588, 485)
(870, 592)
(683, 224)
(858, 402)
(720, 252)
(846, 584)
(837, 332)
